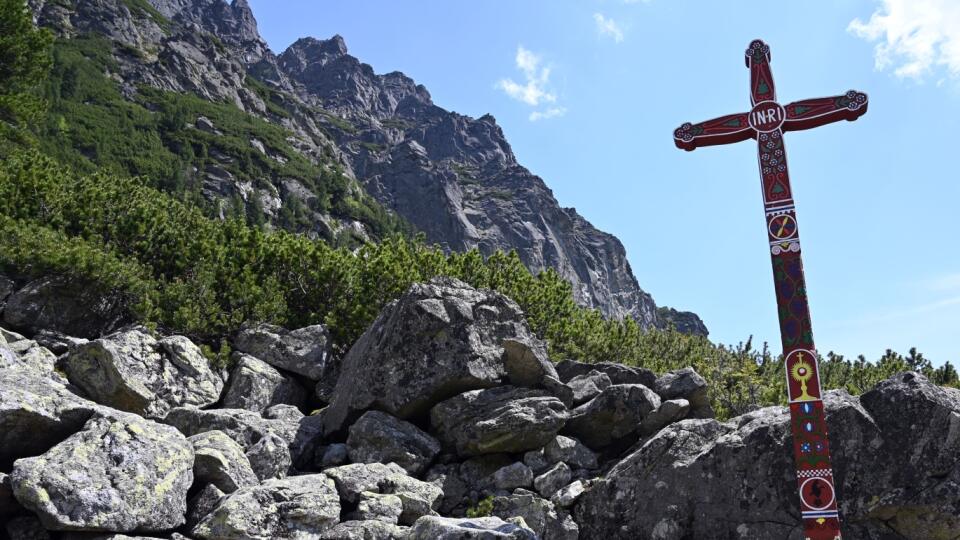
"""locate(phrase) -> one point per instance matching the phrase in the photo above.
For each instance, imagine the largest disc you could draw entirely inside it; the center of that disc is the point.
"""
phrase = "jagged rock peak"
(347, 85)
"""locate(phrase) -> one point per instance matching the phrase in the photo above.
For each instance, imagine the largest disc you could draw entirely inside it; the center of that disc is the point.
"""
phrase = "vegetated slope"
(452, 177)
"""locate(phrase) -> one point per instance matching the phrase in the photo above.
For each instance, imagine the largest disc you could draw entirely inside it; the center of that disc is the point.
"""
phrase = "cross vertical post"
(766, 122)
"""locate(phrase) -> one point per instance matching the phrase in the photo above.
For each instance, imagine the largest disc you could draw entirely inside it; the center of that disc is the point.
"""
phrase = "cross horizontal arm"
(811, 113)
(726, 129)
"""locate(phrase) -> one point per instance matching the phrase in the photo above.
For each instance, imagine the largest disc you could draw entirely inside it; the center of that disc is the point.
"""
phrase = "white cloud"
(914, 37)
(552, 112)
(535, 88)
(608, 27)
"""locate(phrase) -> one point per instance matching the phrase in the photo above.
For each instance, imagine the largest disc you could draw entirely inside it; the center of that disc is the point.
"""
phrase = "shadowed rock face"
(894, 453)
(452, 176)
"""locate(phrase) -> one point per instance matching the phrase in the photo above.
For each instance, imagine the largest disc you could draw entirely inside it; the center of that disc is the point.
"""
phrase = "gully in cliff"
(766, 122)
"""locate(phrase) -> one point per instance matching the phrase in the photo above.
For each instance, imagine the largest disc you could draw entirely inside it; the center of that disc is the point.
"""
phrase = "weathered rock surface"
(220, 461)
(36, 412)
(305, 351)
(419, 498)
(266, 442)
(618, 373)
(378, 437)
(481, 528)
(366, 530)
(587, 386)
(8, 504)
(378, 507)
(611, 416)
(553, 479)
(513, 476)
(689, 385)
(293, 508)
(527, 363)
(894, 457)
(668, 412)
(570, 451)
(255, 385)
(132, 371)
(70, 307)
(540, 515)
(502, 419)
(125, 474)
(202, 503)
(438, 340)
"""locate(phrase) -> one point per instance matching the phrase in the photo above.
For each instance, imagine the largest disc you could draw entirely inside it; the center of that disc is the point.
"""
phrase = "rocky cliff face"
(447, 407)
(453, 177)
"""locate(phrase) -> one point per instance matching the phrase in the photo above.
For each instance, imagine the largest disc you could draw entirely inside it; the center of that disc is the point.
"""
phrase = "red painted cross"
(766, 123)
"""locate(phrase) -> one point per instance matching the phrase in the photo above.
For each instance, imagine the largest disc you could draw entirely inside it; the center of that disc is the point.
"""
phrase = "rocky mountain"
(452, 177)
(446, 420)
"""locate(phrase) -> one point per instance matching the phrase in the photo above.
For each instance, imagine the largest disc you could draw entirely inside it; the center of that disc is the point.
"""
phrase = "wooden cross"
(766, 123)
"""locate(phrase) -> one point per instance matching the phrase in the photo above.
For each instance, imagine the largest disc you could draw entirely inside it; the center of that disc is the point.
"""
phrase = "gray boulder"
(895, 471)
(36, 412)
(540, 515)
(611, 416)
(266, 442)
(123, 474)
(526, 362)
(418, 498)
(553, 479)
(378, 507)
(57, 342)
(378, 437)
(502, 419)
(17, 351)
(567, 495)
(255, 385)
(438, 340)
(366, 530)
(537, 460)
(481, 528)
(293, 508)
(587, 386)
(570, 451)
(464, 484)
(132, 371)
(513, 476)
(270, 457)
(686, 384)
(72, 307)
(333, 455)
(202, 503)
(305, 351)
(668, 412)
(618, 373)
(220, 461)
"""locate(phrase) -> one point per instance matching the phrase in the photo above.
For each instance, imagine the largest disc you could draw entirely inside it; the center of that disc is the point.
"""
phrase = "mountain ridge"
(453, 177)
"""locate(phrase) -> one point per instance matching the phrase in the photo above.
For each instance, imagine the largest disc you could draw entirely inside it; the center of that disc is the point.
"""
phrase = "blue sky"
(588, 93)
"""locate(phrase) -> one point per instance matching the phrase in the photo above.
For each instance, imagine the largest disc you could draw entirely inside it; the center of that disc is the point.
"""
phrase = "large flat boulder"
(305, 351)
(378, 437)
(502, 419)
(895, 465)
(120, 475)
(440, 339)
(132, 371)
(294, 508)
